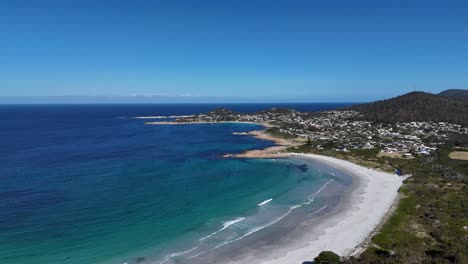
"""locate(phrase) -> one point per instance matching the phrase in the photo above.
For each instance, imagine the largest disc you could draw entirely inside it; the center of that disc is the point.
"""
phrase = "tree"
(327, 257)
(309, 142)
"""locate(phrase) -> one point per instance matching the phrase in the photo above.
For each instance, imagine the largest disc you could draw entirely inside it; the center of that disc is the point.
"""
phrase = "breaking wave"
(176, 254)
(225, 225)
(265, 202)
(254, 230)
(311, 198)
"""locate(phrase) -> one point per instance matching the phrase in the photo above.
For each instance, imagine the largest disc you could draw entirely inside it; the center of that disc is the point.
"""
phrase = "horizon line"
(185, 103)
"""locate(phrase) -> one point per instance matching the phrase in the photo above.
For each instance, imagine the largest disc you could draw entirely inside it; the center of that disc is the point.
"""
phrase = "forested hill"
(456, 94)
(416, 106)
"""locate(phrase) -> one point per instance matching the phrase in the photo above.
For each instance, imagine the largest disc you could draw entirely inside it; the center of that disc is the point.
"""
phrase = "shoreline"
(347, 227)
(204, 122)
(378, 195)
(277, 151)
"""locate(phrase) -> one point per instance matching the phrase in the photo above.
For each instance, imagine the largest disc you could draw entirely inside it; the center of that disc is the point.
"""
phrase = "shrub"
(327, 257)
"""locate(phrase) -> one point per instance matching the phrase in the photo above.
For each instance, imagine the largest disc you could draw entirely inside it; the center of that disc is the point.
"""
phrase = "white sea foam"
(320, 210)
(248, 233)
(176, 254)
(311, 198)
(295, 206)
(225, 225)
(265, 202)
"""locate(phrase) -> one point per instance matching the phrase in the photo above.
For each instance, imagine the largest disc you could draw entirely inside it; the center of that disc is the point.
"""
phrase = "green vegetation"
(442, 157)
(364, 157)
(275, 131)
(456, 94)
(416, 106)
(430, 224)
(327, 257)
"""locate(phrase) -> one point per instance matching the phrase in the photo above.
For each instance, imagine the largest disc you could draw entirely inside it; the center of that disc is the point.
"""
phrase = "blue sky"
(309, 51)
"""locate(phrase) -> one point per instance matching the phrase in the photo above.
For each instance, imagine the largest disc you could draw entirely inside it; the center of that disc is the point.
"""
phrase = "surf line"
(225, 225)
(265, 202)
(176, 254)
(248, 233)
(312, 198)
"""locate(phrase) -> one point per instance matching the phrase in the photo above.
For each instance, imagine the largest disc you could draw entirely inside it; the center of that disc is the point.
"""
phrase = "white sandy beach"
(349, 225)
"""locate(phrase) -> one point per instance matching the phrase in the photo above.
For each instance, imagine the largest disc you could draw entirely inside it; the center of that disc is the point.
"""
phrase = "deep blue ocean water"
(91, 184)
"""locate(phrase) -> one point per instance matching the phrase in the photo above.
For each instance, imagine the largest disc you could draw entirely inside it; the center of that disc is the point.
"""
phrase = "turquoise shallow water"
(113, 190)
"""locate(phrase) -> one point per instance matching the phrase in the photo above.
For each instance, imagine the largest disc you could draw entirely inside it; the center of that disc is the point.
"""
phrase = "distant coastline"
(197, 122)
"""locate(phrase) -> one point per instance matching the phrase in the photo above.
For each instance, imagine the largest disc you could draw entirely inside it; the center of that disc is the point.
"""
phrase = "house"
(368, 146)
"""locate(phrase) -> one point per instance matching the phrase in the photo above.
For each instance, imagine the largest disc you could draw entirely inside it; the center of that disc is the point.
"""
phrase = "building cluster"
(346, 130)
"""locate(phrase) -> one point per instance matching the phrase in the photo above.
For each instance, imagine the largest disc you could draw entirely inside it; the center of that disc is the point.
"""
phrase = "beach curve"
(349, 224)
(346, 227)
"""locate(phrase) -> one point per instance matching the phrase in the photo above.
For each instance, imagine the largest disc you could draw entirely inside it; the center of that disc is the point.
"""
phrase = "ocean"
(92, 184)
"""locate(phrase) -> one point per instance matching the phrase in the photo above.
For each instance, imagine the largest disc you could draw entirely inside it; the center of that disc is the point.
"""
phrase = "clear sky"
(250, 50)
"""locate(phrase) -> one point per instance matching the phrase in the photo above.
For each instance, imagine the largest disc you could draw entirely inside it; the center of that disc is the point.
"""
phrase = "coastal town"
(344, 130)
